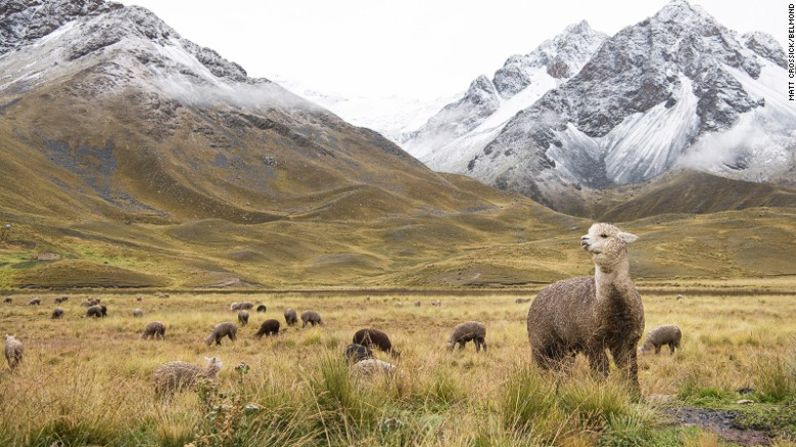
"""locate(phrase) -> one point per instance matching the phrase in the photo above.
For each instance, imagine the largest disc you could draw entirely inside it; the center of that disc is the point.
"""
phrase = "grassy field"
(87, 382)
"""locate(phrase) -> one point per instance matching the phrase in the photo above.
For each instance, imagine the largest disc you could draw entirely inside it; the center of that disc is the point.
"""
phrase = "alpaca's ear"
(627, 237)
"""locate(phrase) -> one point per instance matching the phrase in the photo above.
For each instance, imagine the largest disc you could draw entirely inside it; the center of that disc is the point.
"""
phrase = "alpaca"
(175, 376)
(591, 314)
(13, 351)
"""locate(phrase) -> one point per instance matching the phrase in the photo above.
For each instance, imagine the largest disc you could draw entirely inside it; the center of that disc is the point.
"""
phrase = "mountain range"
(132, 157)
(585, 112)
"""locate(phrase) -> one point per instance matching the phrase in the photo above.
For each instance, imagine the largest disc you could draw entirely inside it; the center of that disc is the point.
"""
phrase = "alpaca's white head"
(607, 244)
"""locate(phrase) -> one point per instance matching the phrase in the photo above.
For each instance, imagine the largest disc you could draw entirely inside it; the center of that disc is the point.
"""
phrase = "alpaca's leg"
(625, 359)
(598, 361)
(671, 348)
(658, 349)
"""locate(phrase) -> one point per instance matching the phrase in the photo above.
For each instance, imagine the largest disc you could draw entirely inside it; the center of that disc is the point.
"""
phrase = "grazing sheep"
(97, 311)
(268, 328)
(310, 317)
(356, 353)
(591, 314)
(243, 317)
(154, 330)
(375, 337)
(162, 295)
(261, 308)
(290, 317)
(679, 297)
(234, 306)
(13, 351)
(7, 300)
(57, 313)
(221, 330)
(90, 302)
(61, 299)
(522, 300)
(662, 335)
(418, 303)
(34, 302)
(369, 367)
(138, 313)
(139, 298)
(175, 376)
(469, 331)
(436, 303)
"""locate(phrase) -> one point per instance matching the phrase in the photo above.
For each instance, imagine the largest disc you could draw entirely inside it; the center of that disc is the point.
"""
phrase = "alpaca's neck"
(211, 371)
(613, 282)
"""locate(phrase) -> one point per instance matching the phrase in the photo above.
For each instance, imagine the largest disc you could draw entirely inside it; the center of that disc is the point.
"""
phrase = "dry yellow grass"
(88, 381)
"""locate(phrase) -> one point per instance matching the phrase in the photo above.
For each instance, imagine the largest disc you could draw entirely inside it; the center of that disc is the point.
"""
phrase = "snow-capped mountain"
(463, 128)
(677, 89)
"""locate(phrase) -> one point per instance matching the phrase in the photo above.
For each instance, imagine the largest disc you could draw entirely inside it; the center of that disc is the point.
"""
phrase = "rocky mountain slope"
(677, 89)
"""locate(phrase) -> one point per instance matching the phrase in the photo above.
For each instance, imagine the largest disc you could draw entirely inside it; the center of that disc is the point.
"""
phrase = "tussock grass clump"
(774, 377)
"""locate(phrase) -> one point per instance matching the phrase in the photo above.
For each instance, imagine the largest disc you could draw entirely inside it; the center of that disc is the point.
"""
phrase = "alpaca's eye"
(603, 235)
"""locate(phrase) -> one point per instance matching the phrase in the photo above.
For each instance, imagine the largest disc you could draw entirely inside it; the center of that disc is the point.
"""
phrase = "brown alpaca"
(591, 314)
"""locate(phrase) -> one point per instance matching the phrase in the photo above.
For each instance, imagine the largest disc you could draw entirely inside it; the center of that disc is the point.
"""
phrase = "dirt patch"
(721, 422)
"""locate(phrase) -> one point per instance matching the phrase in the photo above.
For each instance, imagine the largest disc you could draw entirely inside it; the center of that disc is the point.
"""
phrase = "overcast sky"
(414, 48)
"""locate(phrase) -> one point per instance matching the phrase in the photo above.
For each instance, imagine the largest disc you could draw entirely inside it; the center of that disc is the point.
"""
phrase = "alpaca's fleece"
(356, 353)
(221, 330)
(369, 367)
(591, 314)
(154, 330)
(290, 317)
(469, 331)
(13, 351)
(662, 335)
(243, 317)
(261, 308)
(374, 337)
(310, 317)
(97, 311)
(57, 313)
(268, 328)
(138, 313)
(175, 376)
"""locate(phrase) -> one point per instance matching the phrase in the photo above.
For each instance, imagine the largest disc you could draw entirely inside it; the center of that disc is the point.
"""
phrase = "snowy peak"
(675, 89)
(561, 57)
(24, 21)
(764, 45)
(449, 139)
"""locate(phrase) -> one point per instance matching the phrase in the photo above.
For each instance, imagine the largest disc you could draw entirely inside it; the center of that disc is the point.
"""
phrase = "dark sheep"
(663, 335)
(243, 317)
(34, 302)
(469, 331)
(7, 300)
(154, 330)
(61, 299)
(221, 330)
(97, 311)
(268, 328)
(261, 308)
(290, 317)
(377, 338)
(57, 313)
(310, 317)
(356, 353)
